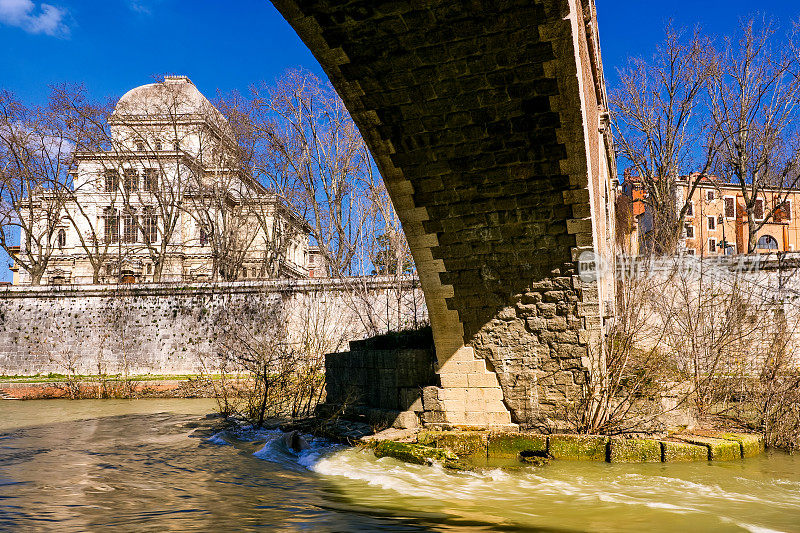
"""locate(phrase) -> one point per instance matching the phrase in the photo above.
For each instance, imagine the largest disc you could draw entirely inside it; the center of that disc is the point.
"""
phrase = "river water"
(150, 465)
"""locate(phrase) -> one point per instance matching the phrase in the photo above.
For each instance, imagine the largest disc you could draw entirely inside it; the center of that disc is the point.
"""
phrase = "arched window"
(767, 242)
(62, 238)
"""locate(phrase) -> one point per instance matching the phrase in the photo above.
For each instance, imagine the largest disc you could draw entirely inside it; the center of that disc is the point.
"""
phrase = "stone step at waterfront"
(490, 446)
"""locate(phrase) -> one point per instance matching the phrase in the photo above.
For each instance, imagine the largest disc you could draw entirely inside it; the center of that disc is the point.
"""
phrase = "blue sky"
(114, 45)
(634, 27)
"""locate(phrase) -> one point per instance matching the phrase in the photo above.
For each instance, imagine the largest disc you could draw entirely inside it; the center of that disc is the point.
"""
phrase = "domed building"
(166, 197)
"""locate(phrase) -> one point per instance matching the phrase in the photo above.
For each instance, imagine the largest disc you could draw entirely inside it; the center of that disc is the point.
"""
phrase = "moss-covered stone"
(458, 442)
(678, 452)
(718, 449)
(511, 445)
(751, 444)
(416, 453)
(634, 451)
(578, 447)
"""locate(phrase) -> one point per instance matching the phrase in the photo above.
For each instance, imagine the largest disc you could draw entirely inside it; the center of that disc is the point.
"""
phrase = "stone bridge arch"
(487, 120)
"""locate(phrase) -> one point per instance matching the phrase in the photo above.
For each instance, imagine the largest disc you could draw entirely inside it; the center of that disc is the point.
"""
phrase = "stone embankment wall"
(730, 313)
(176, 328)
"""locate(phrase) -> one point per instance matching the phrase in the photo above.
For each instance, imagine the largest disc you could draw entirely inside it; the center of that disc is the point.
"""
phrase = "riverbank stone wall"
(174, 329)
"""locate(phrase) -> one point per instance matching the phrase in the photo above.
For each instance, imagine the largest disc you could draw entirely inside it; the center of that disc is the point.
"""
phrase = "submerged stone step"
(622, 450)
(458, 442)
(416, 453)
(678, 452)
(509, 445)
(578, 447)
(459, 448)
(750, 443)
(718, 449)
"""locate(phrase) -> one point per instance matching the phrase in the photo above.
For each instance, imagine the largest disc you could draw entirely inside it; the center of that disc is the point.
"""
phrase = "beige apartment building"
(716, 222)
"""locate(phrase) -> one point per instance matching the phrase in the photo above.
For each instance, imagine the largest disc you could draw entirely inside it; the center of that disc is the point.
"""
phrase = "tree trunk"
(158, 268)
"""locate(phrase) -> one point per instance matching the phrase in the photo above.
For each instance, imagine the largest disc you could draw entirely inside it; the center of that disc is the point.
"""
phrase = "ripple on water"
(142, 471)
(609, 488)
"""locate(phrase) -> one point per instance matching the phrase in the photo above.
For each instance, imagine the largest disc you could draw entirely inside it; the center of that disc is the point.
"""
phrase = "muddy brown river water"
(153, 465)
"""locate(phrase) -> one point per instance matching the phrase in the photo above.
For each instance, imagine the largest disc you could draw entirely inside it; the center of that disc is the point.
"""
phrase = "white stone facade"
(165, 198)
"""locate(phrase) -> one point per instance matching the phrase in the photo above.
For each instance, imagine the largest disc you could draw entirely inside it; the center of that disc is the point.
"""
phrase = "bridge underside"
(486, 120)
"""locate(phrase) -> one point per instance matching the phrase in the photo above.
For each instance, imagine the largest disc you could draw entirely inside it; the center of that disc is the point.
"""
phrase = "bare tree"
(753, 97)
(697, 339)
(310, 153)
(313, 157)
(87, 127)
(658, 117)
(35, 153)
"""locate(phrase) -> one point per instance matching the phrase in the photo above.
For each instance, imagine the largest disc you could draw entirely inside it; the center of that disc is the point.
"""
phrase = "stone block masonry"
(173, 329)
(381, 377)
(527, 447)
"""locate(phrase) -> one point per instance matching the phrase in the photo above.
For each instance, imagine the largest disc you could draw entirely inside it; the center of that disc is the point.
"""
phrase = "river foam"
(560, 493)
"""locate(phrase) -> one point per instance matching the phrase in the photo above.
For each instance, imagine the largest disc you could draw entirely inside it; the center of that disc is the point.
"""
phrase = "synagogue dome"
(174, 97)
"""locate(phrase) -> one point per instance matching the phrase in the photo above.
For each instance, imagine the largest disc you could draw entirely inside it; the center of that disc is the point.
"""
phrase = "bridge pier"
(488, 123)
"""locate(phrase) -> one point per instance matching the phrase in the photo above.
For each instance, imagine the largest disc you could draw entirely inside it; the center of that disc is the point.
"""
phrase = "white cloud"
(44, 18)
(139, 6)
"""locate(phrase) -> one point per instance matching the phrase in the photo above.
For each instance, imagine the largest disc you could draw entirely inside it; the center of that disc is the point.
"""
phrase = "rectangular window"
(712, 223)
(710, 196)
(690, 209)
(784, 214)
(129, 230)
(131, 180)
(758, 209)
(150, 225)
(730, 207)
(150, 180)
(112, 180)
(204, 237)
(689, 231)
(690, 251)
(111, 224)
(712, 245)
(140, 146)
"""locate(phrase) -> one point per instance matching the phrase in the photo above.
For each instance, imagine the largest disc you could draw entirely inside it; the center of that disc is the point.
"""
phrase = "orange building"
(716, 221)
